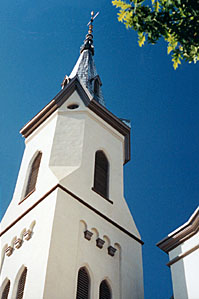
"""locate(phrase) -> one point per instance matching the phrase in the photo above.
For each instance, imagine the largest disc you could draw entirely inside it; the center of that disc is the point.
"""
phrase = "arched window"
(21, 284)
(101, 175)
(6, 290)
(32, 179)
(83, 284)
(105, 292)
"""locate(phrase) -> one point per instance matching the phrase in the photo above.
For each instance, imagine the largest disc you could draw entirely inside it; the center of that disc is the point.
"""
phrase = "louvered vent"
(101, 174)
(21, 284)
(6, 290)
(83, 284)
(105, 292)
(32, 179)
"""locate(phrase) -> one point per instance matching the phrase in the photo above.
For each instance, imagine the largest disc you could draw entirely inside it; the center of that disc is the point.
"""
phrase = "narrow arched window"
(83, 284)
(101, 175)
(21, 284)
(32, 179)
(6, 290)
(105, 291)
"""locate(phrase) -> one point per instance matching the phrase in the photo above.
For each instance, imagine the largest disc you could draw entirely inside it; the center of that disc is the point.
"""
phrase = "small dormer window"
(96, 87)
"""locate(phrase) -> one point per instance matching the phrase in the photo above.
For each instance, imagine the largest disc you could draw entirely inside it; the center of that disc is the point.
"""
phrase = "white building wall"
(33, 253)
(68, 141)
(40, 140)
(70, 251)
(185, 272)
(97, 135)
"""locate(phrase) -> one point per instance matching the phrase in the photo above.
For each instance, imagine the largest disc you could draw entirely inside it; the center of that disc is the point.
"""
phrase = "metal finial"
(88, 42)
(92, 18)
(91, 21)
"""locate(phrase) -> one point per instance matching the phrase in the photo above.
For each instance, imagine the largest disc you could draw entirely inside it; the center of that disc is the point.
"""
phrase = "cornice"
(182, 234)
(89, 102)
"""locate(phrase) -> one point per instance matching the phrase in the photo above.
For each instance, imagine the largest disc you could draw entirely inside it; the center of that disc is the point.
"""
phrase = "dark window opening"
(32, 179)
(21, 284)
(105, 292)
(101, 175)
(83, 284)
(73, 106)
(6, 290)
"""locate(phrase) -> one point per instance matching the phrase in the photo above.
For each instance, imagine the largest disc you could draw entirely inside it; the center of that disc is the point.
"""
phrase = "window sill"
(27, 196)
(102, 195)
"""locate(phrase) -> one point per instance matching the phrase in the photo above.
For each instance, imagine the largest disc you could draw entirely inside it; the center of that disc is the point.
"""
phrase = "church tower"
(68, 232)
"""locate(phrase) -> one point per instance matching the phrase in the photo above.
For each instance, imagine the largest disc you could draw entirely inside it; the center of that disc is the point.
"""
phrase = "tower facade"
(68, 232)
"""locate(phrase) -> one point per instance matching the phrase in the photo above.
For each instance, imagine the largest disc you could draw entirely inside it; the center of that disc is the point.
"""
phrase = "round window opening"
(73, 106)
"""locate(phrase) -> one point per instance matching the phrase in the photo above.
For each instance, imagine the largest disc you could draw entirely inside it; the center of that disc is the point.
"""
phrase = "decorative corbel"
(27, 234)
(111, 250)
(9, 250)
(100, 243)
(88, 235)
(18, 243)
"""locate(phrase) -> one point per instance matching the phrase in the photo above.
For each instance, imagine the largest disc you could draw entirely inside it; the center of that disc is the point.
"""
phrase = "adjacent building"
(182, 245)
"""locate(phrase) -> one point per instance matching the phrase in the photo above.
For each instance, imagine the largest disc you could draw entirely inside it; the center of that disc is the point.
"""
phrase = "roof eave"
(183, 233)
(90, 102)
(115, 122)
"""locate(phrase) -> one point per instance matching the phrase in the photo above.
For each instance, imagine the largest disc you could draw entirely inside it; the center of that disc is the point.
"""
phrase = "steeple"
(68, 227)
(85, 67)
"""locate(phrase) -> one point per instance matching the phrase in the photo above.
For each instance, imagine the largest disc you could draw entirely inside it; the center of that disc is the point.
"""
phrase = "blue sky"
(39, 45)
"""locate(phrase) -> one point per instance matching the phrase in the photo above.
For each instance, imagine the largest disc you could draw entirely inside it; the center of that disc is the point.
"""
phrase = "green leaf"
(128, 19)
(121, 4)
(174, 20)
(157, 6)
(141, 39)
(169, 49)
(121, 15)
(176, 60)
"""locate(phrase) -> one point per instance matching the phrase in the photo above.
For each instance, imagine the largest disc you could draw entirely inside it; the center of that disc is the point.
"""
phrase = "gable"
(60, 101)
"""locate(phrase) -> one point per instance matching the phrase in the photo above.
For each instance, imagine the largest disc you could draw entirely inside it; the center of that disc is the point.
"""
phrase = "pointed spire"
(85, 67)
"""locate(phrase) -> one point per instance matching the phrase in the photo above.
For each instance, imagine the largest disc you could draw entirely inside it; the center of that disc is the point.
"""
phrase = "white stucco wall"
(78, 135)
(40, 140)
(68, 140)
(70, 251)
(33, 253)
(185, 272)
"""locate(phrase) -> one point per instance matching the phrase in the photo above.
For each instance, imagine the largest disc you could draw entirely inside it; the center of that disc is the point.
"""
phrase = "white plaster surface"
(185, 272)
(33, 253)
(40, 140)
(68, 140)
(70, 251)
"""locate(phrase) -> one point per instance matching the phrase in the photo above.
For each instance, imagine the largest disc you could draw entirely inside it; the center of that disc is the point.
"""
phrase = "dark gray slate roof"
(86, 71)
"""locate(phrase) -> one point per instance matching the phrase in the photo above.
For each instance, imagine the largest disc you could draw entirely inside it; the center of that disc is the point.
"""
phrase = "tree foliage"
(177, 21)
